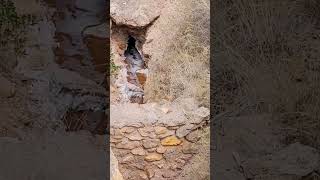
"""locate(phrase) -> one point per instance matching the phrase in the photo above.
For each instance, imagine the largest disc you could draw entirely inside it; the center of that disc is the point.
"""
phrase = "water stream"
(81, 34)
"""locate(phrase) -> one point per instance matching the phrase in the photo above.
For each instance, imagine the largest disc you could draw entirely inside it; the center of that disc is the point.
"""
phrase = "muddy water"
(82, 37)
(83, 53)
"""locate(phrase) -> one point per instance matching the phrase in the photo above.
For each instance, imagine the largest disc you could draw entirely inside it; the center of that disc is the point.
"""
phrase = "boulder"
(138, 13)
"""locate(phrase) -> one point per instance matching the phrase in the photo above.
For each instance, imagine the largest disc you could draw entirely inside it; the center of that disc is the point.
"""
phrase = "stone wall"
(155, 147)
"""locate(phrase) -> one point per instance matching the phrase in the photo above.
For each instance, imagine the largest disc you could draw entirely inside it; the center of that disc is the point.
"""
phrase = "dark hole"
(134, 63)
(131, 42)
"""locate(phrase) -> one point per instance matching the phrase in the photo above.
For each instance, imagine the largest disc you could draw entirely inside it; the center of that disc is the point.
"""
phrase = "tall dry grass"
(184, 70)
(266, 60)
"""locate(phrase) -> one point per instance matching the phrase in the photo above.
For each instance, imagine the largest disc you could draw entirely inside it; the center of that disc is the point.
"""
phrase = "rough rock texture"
(148, 140)
(135, 13)
(147, 114)
(132, 18)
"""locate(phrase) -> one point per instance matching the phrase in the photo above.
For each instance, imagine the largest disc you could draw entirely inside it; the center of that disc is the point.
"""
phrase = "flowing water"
(84, 54)
(82, 37)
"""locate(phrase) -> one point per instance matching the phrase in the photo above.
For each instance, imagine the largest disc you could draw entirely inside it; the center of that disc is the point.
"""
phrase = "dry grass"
(267, 56)
(184, 69)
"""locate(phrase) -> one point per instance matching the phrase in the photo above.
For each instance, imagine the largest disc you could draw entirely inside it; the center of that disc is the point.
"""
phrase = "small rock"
(184, 130)
(126, 144)
(194, 136)
(173, 125)
(139, 163)
(151, 150)
(186, 157)
(161, 149)
(127, 129)
(135, 136)
(143, 175)
(118, 134)
(146, 131)
(160, 164)
(203, 112)
(174, 166)
(126, 159)
(188, 148)
(113, 140)
(113, 89)
(160, 130)
(168, 133)
(153, 157)
(171, 141)
(7, 89)
(150, 143)
(171, 154)
(136, 125)
(142, 76)
(138, 151)
(150, 172)
(165, 110)
(122, 152)
(200, 115)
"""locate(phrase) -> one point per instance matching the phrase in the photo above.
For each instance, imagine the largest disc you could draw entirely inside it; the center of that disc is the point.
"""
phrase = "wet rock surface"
(50, 88)
(65, 64)
(134, 62)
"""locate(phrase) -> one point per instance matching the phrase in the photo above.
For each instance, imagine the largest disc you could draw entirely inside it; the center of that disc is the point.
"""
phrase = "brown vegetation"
(268, 62)
(184, 68)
